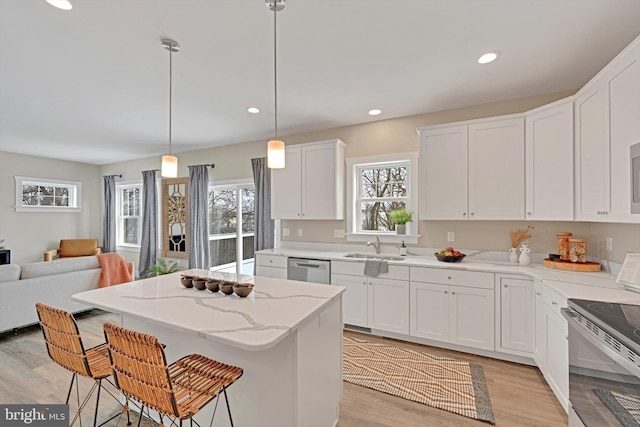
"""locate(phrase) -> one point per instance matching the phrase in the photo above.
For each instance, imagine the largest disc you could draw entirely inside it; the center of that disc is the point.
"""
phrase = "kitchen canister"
(578, 250)
(563, 245)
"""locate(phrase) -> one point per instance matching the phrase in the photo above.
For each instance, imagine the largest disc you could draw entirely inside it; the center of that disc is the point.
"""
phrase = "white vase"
(513, 255)
(525, 259)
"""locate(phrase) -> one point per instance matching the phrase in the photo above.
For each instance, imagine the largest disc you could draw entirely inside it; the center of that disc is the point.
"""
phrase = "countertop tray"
(573, 266)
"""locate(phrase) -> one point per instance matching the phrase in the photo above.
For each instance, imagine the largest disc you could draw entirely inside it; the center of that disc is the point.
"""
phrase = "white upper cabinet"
(311, 186)
(443, 165)
(496, 169)
(549, 162)
(607, 123)
(473, 170)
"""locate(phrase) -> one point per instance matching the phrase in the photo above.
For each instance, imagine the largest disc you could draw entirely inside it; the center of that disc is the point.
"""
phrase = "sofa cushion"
(9, 272)
(65, 265)
(77, 247)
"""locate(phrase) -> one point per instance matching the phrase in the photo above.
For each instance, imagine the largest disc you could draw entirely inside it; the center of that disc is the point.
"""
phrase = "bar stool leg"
(73, 377)
(95, 416)
(226, 399)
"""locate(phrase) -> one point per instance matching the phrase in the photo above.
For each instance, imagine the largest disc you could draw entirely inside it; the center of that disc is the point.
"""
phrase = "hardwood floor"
(519, 394)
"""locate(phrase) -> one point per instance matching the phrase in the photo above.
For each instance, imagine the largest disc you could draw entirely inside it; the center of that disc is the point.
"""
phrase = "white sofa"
(50, 282)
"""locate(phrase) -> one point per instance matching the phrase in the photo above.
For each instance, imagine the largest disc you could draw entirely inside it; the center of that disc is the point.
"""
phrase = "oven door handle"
(571, 314)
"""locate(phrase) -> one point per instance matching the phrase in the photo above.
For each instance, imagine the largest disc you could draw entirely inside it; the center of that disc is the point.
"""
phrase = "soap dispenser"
(403, 249)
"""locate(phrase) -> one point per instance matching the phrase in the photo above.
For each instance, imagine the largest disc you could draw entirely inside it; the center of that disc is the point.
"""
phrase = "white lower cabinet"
(459, 313)
(380, 303)
(540, 344)
(274, 266)
(515, 296)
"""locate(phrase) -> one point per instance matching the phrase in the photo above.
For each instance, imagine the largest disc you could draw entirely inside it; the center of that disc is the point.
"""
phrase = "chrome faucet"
(376, 245)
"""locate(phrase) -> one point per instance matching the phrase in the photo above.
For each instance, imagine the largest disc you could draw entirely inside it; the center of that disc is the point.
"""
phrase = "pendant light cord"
(275, 67)
(170, 94)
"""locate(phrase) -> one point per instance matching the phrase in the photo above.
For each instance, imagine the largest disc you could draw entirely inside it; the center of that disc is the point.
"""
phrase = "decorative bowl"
(554, 257)
(200, 283)
(227, 287)
(445, 258)
(243, 289)
(187, 281)
(213, 284)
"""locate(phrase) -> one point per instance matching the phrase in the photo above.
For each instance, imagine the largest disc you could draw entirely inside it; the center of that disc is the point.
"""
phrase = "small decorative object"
(227, 287)
(520, 236)
(200, 283)
(578, 251)
(403, 249)
(513, 255)
(449, 255)
(525, 259)
(243, 289)
(187, 281)
(563, 245)
(213, 285)
(400, 217)
(555, 257)
(163, 267)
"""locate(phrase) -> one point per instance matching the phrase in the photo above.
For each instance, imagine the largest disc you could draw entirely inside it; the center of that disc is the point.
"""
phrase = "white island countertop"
(257, 322)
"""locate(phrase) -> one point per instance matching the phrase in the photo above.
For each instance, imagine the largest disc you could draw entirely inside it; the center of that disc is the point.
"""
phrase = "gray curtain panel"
(199, 217)
(264, 225)
(149, 243)
(109, 217)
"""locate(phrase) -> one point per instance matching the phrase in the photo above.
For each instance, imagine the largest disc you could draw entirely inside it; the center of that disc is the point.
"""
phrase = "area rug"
(625, 407)
(440, 382)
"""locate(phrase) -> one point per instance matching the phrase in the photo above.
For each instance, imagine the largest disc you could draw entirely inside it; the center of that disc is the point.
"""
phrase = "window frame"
(120, 218)
(354, 166)
(75, 194)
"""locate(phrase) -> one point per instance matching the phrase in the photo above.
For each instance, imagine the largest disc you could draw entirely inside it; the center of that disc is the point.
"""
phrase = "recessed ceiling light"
(489, 57)
(375, 112)
(61, 4)
(253, 110)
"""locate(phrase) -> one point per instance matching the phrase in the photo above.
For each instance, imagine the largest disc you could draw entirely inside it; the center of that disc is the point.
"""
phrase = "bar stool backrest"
(140, 368)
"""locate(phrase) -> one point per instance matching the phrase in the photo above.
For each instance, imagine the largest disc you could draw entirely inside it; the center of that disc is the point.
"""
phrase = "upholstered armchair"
(74, 248)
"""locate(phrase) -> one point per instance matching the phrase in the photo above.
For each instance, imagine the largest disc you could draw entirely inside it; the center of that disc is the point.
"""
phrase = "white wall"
(29, 234)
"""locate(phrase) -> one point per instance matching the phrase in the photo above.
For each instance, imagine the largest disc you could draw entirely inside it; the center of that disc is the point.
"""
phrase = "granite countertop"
(272, 311)
(599, 286)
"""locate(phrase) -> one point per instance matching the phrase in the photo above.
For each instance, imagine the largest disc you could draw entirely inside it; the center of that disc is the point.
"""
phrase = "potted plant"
(400, 217)
(162, 267)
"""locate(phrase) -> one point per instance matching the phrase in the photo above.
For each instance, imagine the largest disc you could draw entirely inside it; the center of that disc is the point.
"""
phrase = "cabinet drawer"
(399, 272)
(274, 272)
(553, 299)
(272, 260)
(445, 276)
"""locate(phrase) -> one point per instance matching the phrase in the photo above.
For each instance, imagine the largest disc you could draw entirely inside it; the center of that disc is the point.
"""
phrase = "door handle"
(299, 264)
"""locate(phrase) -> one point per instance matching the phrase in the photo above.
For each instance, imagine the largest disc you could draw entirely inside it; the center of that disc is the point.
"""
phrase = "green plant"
(163, 267)
(400, 216)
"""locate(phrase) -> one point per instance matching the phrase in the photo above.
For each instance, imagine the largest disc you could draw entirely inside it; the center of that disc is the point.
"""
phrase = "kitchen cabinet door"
(429, 311)
(286, 186)
(592, 154)
(322, 182)
(443, 170)
(540, 348)
(355, 304)
(389, 305)
(549, 163)
(623, 81)
(557, 369)
(472, 317)
(517, 317)
(496, 169)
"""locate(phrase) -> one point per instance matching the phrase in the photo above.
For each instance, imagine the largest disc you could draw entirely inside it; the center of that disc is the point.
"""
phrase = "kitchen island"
(286, 335)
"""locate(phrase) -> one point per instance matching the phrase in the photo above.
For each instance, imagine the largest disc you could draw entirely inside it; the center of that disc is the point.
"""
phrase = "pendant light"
(169, 161)
(275, 147)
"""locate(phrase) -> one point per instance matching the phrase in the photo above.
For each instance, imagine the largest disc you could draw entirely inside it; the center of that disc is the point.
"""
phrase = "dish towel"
(373, 267)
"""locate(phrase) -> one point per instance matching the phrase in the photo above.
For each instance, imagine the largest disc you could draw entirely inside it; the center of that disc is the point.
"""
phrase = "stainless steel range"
(604, 363)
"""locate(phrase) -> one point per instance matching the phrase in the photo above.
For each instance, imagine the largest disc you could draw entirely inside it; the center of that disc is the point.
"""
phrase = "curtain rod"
(119, 176)
(211, 165)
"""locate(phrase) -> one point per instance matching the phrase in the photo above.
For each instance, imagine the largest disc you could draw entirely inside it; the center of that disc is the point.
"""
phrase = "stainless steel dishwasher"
(309, 270)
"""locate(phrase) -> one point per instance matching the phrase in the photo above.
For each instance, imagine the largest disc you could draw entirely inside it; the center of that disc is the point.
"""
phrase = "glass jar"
(578, 251)
(563, 245)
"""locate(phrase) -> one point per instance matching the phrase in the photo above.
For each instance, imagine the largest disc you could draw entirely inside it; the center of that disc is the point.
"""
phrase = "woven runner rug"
(625, 407)
(440, 382)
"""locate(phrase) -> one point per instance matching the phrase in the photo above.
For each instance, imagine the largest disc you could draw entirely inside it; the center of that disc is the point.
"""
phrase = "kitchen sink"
(374, 256)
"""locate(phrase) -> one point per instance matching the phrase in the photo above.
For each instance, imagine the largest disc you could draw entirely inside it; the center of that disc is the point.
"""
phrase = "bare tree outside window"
(381, 190)
(45, 195)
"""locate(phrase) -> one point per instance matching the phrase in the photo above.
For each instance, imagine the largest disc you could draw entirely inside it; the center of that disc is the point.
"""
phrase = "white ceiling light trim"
(375, 112)
(489, 57)
(61, 4)
(253, 110)
(275, 147)
(170, 162)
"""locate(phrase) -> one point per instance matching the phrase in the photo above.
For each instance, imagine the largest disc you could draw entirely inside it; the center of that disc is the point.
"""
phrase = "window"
(231, 227)
(377, 186)
(38, 194)
(128, 214)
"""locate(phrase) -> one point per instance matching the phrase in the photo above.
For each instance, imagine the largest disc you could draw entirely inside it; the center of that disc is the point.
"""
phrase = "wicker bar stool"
(65, 347)
(178, 391)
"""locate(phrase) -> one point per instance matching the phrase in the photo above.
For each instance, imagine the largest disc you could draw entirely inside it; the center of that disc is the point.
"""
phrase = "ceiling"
(92, 84)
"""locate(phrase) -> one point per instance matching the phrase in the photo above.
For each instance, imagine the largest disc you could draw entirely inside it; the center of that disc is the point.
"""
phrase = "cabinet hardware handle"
(473, 213)
(567, 337)
(605, 213)
(528, 213)
(364, 283)
(506, 286)
(453, 293)
(446, 292)
(464, 214)
(449, 277)
(538, 294)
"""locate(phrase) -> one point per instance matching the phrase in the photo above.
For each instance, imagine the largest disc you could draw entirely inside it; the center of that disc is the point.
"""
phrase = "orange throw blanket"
(115, 269)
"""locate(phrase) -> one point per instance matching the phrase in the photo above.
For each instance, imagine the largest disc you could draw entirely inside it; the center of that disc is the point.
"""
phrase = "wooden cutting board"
(573, 266)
